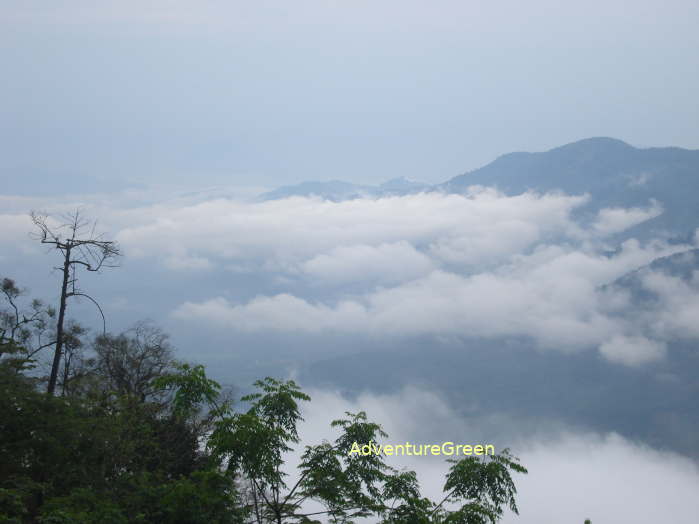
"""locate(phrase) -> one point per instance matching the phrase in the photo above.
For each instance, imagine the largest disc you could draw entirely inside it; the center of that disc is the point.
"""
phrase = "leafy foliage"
(136, 436)
(254, 443)
(96, 458)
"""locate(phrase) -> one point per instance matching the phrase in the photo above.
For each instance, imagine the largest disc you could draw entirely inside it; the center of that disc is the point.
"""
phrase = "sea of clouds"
(481, 264)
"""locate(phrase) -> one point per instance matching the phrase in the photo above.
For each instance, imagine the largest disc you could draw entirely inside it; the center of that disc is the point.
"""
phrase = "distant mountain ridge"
(337, 190)
(612, 172)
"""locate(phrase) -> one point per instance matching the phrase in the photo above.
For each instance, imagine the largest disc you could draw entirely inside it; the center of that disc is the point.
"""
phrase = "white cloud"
(290, 233)
(386, 263)
(187, 262)
(573, 475)
(615, 219)
(552, 295)
(281, 312)
(14, 235)
(632, 350)
(479, 265)
(677, 308)
(605, 478)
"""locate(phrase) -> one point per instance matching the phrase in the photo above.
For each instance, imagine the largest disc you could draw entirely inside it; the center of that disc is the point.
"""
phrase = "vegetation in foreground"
(136, 436)
(113, 429)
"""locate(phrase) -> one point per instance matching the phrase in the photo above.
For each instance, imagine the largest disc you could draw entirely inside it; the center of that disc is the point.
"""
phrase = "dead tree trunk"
(59, 324)
(79, 248)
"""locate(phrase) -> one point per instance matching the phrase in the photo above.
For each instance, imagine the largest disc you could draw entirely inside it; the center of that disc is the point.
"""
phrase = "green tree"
(24, 329)
(98, 455)
(252, 445)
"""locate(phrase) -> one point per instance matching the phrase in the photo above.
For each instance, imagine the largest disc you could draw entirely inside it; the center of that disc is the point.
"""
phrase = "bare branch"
(104, 321)
(80, 247)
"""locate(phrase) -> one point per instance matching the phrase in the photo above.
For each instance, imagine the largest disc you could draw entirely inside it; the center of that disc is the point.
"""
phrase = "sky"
(480, 315)
(105, 95)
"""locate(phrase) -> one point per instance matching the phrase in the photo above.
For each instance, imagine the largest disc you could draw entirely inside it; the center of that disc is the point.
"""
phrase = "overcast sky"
(266, 93)
(590, 371)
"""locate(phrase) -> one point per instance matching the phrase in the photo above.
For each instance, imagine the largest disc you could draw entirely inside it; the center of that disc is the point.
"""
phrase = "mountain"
(402, 186)
(612, 172)
(337, 190)
(682, 265)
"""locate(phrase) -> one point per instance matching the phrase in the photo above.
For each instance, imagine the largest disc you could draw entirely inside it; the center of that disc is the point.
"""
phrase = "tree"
(139, 437)
(252, 445)
(129, 363)
(115, 458)
(75, 364)
(26, 327)
(79, 246)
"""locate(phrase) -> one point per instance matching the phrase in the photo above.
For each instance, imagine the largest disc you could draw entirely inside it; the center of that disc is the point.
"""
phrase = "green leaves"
(278, 406)
(254, 442)
(204, 497)
(115, 459)
(349, 485)
(191, 386)
(406, 505)
(479, 486)
(487, 485)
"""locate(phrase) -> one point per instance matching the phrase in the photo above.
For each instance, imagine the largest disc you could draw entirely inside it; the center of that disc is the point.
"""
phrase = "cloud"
(481, 264)
(632, 350)
(290, 234)
(385, 263)
(607, 479)
(281, 312)
(615, 219)
(187, 262)
(14, 229)
(552, 295)
(573, 475)
(676, 307)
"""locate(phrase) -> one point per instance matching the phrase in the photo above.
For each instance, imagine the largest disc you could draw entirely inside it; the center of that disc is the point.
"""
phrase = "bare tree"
(80, 247)
(128, 363)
